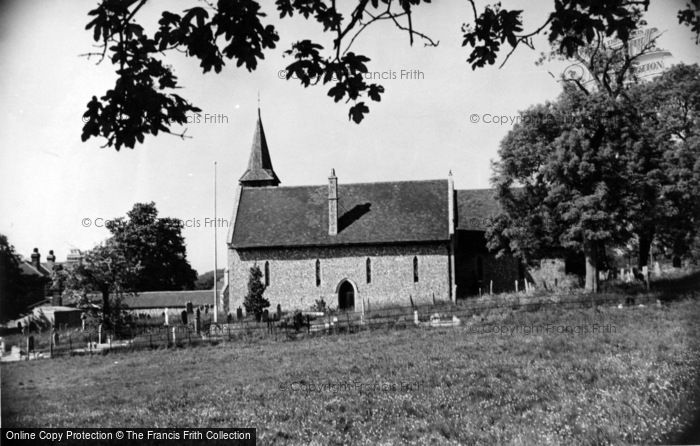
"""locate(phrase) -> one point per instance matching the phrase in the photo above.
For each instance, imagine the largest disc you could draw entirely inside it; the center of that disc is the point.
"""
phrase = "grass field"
(586, 376)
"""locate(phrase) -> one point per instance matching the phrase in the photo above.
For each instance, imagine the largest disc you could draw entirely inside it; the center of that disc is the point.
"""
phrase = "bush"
(254, 302)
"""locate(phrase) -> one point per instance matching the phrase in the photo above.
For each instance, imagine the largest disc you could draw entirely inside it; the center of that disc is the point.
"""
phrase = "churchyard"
(552, 375)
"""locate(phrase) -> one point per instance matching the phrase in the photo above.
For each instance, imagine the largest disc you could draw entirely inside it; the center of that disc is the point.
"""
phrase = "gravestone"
(265, 315)
(30, 344)
(279, 311)
(190, 308)
(183, 316)
(167, 317)
(55, 337)
(99, 334)
(228, 318)
(239, 313)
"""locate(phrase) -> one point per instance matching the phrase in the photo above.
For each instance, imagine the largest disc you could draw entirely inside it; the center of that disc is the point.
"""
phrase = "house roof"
(169, 299)
(474, 207)
(28, 268)
(368, 213)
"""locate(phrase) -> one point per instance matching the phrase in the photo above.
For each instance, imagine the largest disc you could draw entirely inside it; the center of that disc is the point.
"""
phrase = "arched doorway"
(346, 296)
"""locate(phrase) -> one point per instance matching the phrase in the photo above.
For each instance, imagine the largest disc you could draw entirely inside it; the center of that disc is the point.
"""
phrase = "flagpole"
(216, 266)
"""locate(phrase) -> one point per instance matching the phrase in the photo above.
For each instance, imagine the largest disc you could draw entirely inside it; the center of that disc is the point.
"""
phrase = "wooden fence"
(51, 344)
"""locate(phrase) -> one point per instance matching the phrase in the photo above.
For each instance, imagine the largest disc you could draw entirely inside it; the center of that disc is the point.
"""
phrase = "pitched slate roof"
(28, 268)
(368, 213)
(474, 207)
(169, 299)
(260, 169)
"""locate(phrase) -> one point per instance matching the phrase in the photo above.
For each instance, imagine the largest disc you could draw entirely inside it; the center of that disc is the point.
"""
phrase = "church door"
(346, 296)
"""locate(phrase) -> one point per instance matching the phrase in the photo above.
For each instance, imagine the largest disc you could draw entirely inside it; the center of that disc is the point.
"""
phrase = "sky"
(56, 191)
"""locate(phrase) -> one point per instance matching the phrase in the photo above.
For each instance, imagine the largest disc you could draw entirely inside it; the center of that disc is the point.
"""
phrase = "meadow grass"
(555, 376)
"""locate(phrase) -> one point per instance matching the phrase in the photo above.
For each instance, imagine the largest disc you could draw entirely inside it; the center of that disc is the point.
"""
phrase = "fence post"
(491, 287)
(516, 286)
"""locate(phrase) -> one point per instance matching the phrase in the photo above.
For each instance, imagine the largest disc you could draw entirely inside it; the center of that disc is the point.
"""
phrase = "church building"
(361, 245)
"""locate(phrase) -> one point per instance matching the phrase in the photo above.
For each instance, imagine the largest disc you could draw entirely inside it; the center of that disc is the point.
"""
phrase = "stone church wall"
(293, 275)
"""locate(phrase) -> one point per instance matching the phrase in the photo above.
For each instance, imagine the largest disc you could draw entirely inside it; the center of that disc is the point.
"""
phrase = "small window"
(369, 270)
(267, 273)
(415, 269)
(318, 272)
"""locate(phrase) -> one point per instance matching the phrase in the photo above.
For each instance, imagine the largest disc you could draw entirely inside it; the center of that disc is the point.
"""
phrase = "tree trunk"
(590, 252)
(645, 239)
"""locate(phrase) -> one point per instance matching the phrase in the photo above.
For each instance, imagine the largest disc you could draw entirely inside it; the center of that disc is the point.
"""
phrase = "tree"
(567, 158)
(254, 302)
(106, 270)
(156, 245)
(143, 101)
(596, 169)
(672, 118)
(17, 290)
(10, 279)
(206, 281)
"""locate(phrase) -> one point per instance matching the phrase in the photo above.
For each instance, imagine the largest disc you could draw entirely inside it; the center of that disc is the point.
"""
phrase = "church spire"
(260, 171)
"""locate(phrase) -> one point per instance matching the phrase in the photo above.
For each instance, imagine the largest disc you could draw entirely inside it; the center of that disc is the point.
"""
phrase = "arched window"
(415, 269)
(267, 273)
(318, 272)
(369, 270)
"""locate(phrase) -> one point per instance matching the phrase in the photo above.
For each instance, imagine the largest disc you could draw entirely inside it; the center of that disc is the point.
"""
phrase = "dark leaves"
(493, 27)
(347, 73)
(140, 102)
(357, 112)
(574, 23)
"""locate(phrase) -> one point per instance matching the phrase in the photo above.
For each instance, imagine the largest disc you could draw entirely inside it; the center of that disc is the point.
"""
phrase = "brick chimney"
(332, 204)
(50, 260)
(36, 258)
